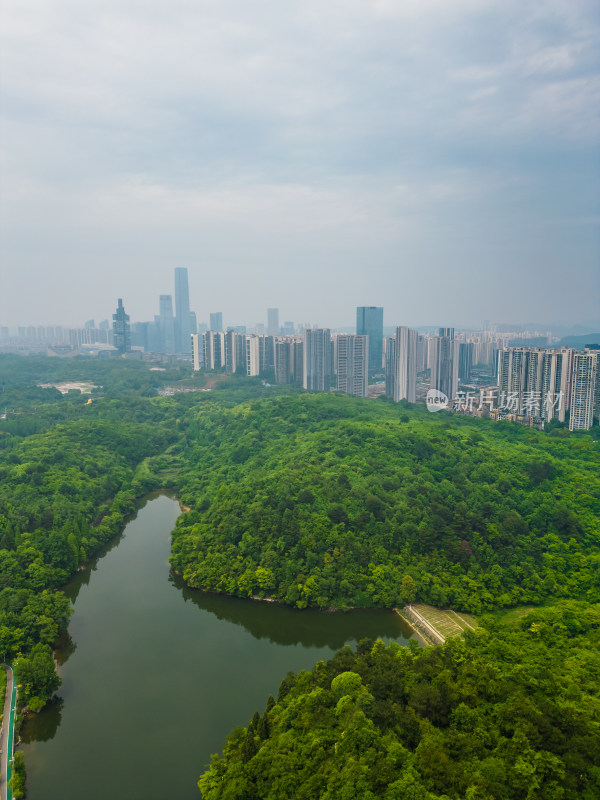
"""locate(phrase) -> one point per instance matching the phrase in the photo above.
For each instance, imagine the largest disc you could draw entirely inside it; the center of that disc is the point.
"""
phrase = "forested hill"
(507, 714)
(333, 501)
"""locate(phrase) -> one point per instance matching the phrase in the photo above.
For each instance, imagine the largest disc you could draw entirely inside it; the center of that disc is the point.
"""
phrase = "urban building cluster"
(477, 373)
(537, 385)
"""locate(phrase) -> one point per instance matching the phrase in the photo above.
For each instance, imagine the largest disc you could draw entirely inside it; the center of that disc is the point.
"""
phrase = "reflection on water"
(149, 679)
(284, 625)
(64, 649)
(42, 727)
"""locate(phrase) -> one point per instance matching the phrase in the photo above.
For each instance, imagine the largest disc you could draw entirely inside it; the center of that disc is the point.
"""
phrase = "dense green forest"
(326, 500)
(70, 474)
(507, 713)
(332, 501)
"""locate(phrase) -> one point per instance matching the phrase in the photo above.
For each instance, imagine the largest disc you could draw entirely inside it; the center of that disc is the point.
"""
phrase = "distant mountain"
(558, 329)
(579, 342)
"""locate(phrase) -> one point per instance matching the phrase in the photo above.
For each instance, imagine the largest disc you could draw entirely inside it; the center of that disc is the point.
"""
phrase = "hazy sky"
(436, 157)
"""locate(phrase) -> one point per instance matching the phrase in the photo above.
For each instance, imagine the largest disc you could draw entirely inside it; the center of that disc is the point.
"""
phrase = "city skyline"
(438, 159)
(80, 319)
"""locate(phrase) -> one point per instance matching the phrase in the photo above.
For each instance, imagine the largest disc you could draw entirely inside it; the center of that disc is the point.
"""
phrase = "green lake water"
(155, 674)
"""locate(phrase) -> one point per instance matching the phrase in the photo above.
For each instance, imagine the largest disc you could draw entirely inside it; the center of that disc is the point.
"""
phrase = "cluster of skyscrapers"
(169, 333)
(534, 384)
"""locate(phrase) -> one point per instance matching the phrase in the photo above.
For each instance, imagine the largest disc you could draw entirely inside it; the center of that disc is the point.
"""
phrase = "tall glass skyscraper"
(369, 322)
(183, 319)
(121, 329)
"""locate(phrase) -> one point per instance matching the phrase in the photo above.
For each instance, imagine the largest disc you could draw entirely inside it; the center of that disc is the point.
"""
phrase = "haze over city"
(439, 159)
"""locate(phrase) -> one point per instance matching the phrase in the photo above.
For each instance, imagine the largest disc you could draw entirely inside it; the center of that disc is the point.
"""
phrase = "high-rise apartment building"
(213, 345)
(535, 382)
(443, 363)
(369, 322)
(583, 390)
(252, 354)
(234, 352)
(216, 321)
(405, 365)
(121, 329)
(390, 365)
(317, 359)
(512, 363)
(298, 348)
(352, 364)
(196, 351)
(422, 350)
(283, 360)
(266, 345)
(465, 361)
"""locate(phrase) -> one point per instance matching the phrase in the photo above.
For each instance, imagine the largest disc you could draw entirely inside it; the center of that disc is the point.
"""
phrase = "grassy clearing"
(446, 622)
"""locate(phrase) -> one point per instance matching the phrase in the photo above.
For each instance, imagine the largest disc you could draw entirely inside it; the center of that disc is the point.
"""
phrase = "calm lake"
(155, 675)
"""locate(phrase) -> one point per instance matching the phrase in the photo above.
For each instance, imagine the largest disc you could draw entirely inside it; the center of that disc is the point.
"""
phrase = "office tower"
(444, 363)
(103, 326)
(216, 321)
(317, 359)
(121, 329)
(166, 325)
(196, 351)
(273, 321)
(352, 364)
(583, 390)
(183, 321)
(369, 322)
(403, 383)
(288, 328)
(252, 355)
(88, 324)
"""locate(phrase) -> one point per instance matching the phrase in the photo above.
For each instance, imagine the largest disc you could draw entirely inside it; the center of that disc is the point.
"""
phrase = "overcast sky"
(436, 157)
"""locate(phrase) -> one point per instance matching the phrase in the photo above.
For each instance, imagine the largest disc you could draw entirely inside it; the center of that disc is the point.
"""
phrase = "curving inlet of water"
(155, 674)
